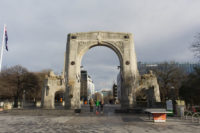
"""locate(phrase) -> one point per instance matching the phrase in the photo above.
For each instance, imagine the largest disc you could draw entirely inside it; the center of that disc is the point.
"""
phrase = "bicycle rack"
(188, 113)
(196, 117)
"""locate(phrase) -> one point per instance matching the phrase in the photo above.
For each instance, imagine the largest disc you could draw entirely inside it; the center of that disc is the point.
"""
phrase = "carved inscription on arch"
(85, 44)
(118, 44)
(82, 45)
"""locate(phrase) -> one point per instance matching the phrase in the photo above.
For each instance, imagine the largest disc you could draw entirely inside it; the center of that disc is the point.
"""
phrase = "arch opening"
(102, 65)
(59, 99)
(105, 44)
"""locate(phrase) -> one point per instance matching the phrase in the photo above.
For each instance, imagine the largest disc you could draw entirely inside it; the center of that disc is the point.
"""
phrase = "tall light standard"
(173, 97)
(24, 94)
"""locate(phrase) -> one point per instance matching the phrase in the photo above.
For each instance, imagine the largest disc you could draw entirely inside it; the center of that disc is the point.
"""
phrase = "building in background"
(119, 87)
(187, 67)
(87, 86)
(98, 96)
(114, 89)
(90, 87)
(83, 91)
(107, 95)
(106, 92)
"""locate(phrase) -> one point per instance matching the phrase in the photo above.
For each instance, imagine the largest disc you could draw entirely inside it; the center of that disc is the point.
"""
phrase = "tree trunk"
(15, 102)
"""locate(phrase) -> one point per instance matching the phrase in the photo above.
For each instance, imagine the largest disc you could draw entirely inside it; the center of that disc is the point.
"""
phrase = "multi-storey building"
(87, 86)
(107, 95)
(90, 87)
(115, 91)
(186, 67)
(119, 86)
(106, 92)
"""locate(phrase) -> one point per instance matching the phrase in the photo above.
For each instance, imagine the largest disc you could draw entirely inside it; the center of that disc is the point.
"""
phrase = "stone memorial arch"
(121, 43)
(132, 84)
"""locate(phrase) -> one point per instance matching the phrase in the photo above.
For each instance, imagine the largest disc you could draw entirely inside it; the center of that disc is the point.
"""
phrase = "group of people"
(99, 105)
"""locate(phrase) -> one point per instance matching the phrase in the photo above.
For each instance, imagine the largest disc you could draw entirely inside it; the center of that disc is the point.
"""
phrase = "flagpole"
(2, 47)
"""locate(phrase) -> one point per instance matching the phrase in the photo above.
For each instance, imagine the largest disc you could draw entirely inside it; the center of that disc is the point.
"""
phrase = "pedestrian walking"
(101, 105)
(97, 106)
(91, 105)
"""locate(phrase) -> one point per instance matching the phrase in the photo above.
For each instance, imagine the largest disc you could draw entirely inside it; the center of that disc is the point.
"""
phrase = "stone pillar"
(72, 77)
(130, 75)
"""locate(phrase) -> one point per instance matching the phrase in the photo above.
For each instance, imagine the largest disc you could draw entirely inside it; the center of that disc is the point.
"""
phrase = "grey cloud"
(38, 29)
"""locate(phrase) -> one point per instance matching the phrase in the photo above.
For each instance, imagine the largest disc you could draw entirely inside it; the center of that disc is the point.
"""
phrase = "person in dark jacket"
(91, 105)
(101, 105)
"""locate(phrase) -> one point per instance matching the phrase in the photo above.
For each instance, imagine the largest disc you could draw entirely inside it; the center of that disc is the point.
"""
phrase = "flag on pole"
(4, 43)
(6, 38)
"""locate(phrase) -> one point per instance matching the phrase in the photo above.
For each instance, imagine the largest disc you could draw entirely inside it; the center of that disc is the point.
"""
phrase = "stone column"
(130, 74)
(72, 77)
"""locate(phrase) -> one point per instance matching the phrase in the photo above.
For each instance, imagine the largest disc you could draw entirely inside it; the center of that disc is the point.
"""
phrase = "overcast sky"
(37, 31)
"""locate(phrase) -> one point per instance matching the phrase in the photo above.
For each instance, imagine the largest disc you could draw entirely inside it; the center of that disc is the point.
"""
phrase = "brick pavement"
(50, 121)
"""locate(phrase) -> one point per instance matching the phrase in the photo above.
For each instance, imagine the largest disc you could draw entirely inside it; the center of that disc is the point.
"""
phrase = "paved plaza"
(59, 121)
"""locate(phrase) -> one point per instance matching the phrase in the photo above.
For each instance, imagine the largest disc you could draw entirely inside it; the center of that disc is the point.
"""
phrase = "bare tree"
(195, 47)
(16, 81)
(170, 78)
(190, 89)
(40, 83)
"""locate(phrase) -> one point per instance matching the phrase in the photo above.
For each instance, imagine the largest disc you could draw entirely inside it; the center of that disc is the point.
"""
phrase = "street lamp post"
(23, 103)
(173, 97)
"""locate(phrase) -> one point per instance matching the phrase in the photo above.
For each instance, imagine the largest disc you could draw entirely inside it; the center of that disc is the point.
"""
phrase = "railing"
(193, 116)
(187, 114)
(196, 117)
